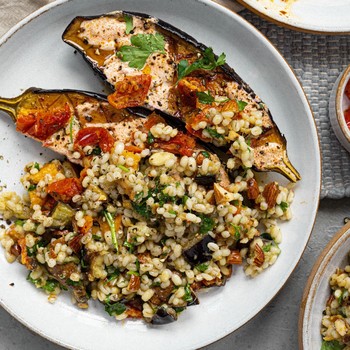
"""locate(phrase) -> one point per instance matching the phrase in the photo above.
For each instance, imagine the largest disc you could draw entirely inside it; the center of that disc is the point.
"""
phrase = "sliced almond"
(270, 193)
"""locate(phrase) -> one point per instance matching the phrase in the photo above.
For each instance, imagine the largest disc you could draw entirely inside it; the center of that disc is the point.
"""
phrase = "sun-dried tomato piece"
(94, 136)
(131, 91)
(42, 125)
(64, 190)
(180, 144)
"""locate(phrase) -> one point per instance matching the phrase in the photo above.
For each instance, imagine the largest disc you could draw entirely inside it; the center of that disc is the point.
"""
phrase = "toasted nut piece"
(259, 256)
(270, 193)
(253, 189)
(222, 195)
(234, 258)
(134, 283)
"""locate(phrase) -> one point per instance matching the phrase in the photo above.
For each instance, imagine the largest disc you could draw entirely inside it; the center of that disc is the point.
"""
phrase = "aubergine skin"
(83, 34)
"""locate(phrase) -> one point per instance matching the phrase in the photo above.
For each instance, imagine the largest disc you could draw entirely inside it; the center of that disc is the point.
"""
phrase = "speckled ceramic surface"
(45, 61)
(317, 289)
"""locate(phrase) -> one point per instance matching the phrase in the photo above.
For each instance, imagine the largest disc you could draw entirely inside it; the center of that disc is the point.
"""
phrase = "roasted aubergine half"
(149, 63)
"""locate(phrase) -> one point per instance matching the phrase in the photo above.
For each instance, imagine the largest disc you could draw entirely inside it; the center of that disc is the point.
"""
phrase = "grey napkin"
(317, 61)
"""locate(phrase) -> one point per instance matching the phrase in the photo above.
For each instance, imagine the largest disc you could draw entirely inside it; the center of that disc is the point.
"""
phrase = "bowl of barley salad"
(221, 310)
(322, 320)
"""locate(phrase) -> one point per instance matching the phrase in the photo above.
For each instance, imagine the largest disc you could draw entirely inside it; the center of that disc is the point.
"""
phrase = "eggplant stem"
(287, 169)
(9, 105)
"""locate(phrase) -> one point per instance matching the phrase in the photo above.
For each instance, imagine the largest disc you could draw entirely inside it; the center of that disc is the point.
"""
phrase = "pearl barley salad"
(335, 328)
(141, 229)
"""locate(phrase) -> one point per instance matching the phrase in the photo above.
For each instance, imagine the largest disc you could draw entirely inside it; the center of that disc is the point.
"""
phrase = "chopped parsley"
(114, 309)
(205, 154)
(202, 267)
(96, 151)
(184, 199)
(136, 273)
(188, 294)
(266, 235)
(19, 222)
(50, 285)
(213, 133)
(36, 166)
(237, 231)
(266, 248)
(129, 25)
(73, 283)
(207, 62)
(206, 225)
(31, 187)
(179, 309)
(284, 206)
(97, 238)
(130, 246)
(142, 46)
(241, 105)
(332, 345)
(150, 138)
(205, 97)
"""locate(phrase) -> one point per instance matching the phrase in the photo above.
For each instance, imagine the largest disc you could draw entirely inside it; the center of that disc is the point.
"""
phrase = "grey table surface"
(274, 328)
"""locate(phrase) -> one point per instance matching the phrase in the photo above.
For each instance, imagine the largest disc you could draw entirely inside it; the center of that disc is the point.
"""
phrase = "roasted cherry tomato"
(64, 190)
(180, 144)
(347, 117)
(131, 91)
(94, 136)
(347, 89)
(188, 88)
(42, 125)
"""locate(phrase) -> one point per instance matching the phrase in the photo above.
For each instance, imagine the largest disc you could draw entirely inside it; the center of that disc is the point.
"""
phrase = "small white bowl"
(338, 104)
(317, 290)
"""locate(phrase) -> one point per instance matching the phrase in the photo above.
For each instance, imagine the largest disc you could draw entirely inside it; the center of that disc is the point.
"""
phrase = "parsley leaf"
(143, 45)
(115, 308)
(150, 138)
(207, 62)
(332, 345)
(110, 221)
(202, 267)
(205, 97)
(284, 206)
(205, 154)
(213, 133)
(31, 188)
(206, 225)
(266, 248)
(241, 105)
(129, 24)
(188, 294)
(50, 285)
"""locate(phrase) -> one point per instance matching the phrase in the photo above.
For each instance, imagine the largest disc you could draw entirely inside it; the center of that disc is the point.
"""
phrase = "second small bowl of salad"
(324, 322)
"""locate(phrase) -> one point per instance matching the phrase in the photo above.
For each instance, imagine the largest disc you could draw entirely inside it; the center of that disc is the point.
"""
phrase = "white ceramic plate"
(317, 289)
(317, 16)
(32, 54)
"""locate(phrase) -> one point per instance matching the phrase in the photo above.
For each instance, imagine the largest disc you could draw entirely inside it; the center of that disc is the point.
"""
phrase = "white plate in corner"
(315, 16)
(317, 290)
(33, 54)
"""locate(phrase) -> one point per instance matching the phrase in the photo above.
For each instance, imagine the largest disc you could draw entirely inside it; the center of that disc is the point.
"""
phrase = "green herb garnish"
(73, 283)
(241, 105)
(97, 238)
(114, 308)
(205, 154)
(136, 273)
(237, 231)
(32, 251)
(172, 212)
(184, 199)
(188, 294)
(124, 168)
(150, 138)
(332, 345)
(143, 45)
(179, 309)
(129, 24)
(266, 235)
(19, 222)
(31, 187)
(202, 267)
(206, 225)
(284, 206)
(36, 166)
(130, 246)
(50, 285)
(30, 279)
(266, 248)
(205, 97)
(207, 62)
(110, 221)
(214, 134)
(96, 151)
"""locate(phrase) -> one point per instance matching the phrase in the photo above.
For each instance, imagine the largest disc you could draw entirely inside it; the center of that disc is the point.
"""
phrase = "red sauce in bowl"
(347, 112)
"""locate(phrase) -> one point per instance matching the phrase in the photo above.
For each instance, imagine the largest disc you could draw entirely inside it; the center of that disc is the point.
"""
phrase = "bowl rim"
(344, 79)
(323, 259)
